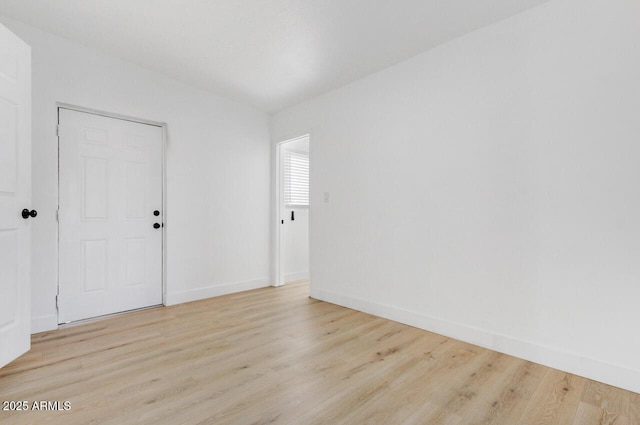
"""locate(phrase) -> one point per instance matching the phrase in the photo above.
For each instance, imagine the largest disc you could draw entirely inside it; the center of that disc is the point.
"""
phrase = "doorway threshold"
(105, 316)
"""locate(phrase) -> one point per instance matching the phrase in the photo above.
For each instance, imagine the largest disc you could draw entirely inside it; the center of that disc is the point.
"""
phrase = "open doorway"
(292, 205)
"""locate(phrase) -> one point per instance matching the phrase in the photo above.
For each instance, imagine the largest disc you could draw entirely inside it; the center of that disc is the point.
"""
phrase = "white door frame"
(163, 126)
(278, 189)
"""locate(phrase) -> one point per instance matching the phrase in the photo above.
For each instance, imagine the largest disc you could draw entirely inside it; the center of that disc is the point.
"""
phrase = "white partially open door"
(15, 195)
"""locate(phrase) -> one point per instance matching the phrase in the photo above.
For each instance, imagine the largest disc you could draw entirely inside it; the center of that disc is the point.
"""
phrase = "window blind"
(296, 178)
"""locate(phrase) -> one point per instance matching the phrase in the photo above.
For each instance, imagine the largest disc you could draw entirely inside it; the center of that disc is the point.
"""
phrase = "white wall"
(218, 170)
(295, 238)
(489, 189)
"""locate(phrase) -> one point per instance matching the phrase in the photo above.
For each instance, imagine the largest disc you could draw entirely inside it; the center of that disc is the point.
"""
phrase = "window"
(296, 178)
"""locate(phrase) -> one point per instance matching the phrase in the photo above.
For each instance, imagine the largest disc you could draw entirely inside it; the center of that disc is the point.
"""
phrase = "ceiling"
(269, 53)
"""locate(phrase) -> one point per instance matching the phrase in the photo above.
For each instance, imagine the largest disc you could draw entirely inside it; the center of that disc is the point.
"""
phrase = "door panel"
(110, 184)
(94, 188)
(8, 145)
(15, 195)
(9, 276)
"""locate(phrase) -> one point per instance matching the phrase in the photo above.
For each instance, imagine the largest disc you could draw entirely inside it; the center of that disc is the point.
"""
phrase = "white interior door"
(110, 215)
(15, 195)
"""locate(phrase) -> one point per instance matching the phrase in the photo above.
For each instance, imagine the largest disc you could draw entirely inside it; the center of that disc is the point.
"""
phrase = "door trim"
(163, 126)
(279, 213)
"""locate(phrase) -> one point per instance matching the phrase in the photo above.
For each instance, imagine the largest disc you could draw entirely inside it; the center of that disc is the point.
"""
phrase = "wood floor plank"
(276, 356)
(555, 401)
(411, 391)
(504, 401)
(606, 397)
(588, 414)
(634, 409)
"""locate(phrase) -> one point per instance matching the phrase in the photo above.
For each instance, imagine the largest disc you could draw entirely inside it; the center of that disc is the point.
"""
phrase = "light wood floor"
(275, 356)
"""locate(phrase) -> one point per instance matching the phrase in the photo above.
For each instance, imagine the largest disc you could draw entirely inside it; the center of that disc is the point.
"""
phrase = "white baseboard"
(575, 363)
(44, 323)
(214, 291)
(50, 322)
(291, 277)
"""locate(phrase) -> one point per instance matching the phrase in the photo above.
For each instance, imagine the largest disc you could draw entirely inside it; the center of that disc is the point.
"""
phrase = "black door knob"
(26, 213)
(156, 225)
(156, 213)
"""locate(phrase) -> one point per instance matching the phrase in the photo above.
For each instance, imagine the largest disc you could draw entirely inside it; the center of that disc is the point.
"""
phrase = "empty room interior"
(320, 212)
